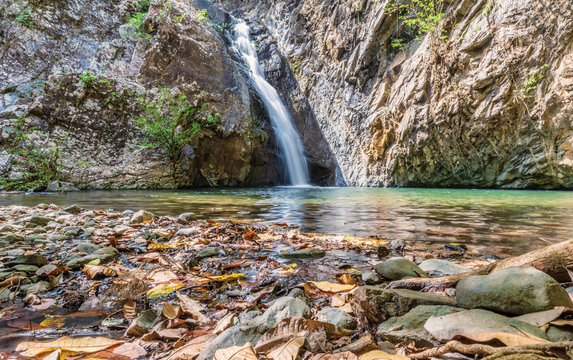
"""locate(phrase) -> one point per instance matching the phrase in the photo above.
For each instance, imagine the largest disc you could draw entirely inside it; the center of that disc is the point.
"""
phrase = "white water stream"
(290, 144)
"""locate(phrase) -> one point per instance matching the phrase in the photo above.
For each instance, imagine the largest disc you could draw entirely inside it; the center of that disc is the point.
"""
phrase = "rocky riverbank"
(133, 285)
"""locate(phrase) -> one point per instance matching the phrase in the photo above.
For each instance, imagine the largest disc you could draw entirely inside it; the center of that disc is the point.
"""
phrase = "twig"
(491, 351)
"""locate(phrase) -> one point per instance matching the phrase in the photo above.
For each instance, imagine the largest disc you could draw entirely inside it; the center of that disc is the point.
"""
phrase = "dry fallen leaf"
(245, 352)
(224, 323)
(332, 287)
(192, 348)
(381, 355)
(170, 311)
(288, 351)
(346, 355)
(130, 350)
(163, 289)
(94, 271)
(84, 345)
(130, 310)
(542, 317)
(506, 338)
(346, 279)
(193, 308)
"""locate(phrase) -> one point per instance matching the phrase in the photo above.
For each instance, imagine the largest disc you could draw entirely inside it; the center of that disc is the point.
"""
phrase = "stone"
(516, 290)
(398, 268)
(252, 330)
(12, 238)
(376, 304)
(304, 254)
(141, 216)
(410, 326)
(32, 259)
(26, 268)
(128, 213)
(74, 209)
(46, 270)
(336, 317)
(72, 231)
(39, 220)
(437, 268)
(559, 334)
(444, 328)
(187, 232)
(60, 186)
(371, 278)
(103, 254)
(208, 252)
(143, 323)
(185, 218)
(87, 247)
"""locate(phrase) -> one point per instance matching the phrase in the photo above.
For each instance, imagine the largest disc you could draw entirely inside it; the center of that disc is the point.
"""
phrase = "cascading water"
(290, 145)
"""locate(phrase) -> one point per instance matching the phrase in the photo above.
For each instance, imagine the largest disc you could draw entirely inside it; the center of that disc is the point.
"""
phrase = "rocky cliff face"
(484, 101)
(73, 72)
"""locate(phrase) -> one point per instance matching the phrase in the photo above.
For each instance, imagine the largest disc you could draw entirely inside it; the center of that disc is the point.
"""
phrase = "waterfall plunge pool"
(511, 221)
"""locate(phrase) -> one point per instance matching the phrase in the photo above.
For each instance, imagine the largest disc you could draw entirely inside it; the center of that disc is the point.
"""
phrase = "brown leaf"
(94, 271)
(130, 350)
(347, 355)
(224, 323)
(193, 308)
(381, 355)
(346, 279)
(170, 311)
(506, 338)
(245, 352)
(83, 345)
(542, 317)
(288, 351)
(130, 310)
(329, 287)
(192, 348)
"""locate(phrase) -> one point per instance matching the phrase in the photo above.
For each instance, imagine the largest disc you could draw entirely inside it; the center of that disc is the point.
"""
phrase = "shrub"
(422, 16)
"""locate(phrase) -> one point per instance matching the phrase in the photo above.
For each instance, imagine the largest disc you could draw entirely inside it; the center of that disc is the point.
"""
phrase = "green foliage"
(170, 122)
(24, 18)
(255, 130)
(40, 166)
(530, 83)
(295, 67)
(143, 6)
(202, 16)
(422, 16)
(88, 78)
(398, 44)
(135, 27)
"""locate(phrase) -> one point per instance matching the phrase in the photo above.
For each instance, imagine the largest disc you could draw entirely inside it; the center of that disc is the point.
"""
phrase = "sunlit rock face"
(459, 110)
(46, 46)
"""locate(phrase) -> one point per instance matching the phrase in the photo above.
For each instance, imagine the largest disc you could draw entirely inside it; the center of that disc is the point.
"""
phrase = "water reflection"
(517, 220)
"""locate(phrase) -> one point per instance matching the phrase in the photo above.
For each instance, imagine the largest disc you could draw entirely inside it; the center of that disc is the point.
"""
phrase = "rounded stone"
(398, 268)
(516, 290)
(336, 317)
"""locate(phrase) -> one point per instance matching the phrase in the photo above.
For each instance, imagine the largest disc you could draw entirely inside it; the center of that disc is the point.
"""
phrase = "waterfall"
(290, 144)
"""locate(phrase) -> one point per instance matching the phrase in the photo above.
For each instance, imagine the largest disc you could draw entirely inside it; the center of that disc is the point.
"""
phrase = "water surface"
(516, 221)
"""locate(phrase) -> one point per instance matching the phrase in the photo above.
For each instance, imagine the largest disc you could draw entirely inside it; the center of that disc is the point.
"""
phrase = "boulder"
(58, 186)
(185, 218)
(516, 290)
(74, 209)
(336, 317)
(376, 304)
(410, 326)
(370, 277)
(399, 268)
(436, 267)
(141, 216)
(444, 328)
(207, 252)
(252, 330)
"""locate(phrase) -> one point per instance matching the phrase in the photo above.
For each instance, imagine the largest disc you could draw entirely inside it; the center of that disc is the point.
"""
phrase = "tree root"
(552, 260)
(537, 351)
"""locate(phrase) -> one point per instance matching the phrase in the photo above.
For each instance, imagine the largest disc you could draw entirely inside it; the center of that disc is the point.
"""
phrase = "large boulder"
(399, 268)
(444, 328)
(516, 290)
(411, 325)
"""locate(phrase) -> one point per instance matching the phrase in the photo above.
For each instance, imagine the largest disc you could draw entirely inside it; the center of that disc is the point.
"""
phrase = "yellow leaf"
(506, 338)
(331, 287)
(227, 278)
(53, 322)
(84, 345)
(94, 262)
(163, 289)
(288, 351)
(245, 352)
(381, 355)
(159, 246)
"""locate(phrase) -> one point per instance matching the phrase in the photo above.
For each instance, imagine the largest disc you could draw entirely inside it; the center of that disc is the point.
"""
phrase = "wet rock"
(15, 252)
(46, 270)
(436, 267)
(26, 268)
(208, 252)
(59, 237)
(39, 287)
(87, 247)
(370, 277)
(74, 209)
(252, 330)
(141, 216)
(410, 326)
(72, 231)
(39, 220)
(103, 254)
(12, 238)
(362, 345)
(187, 232)
(398, 268)
(33, 259)
(304, 254)
(376, 304)
(517, 290)
(337, 317)
(558, 334)
(476, 321)
(185, 218)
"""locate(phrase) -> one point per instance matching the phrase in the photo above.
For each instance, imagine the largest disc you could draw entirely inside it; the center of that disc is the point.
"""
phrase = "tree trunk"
(552, 260)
